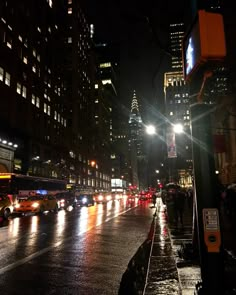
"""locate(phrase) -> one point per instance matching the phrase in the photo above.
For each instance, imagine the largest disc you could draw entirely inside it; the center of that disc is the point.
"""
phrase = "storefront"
(7, 150)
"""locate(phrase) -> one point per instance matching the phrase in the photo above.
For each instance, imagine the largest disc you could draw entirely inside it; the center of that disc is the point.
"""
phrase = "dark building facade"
(46, 88)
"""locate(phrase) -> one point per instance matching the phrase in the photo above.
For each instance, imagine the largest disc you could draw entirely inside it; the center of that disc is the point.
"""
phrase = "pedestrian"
(190, 199)
(179, 203)
(154, 199)
(231, 200)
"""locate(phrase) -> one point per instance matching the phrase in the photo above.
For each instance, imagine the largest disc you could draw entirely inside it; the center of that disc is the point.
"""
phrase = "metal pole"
(208, 225)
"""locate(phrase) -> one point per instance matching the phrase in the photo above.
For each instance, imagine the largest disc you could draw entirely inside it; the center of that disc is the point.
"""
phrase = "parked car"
(37, 204)
(6, 207)
(85, 200)
(65, 200)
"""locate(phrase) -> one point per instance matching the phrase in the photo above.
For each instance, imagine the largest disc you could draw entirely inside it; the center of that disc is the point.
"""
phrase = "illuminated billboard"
(204, 42)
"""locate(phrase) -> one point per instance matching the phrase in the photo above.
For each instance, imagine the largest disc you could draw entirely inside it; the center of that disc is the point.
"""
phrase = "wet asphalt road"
(82, 251)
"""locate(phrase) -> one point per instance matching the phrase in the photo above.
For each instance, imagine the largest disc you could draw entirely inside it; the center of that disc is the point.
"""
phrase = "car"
(65, 200)
(103, 197)
(143, 196)
(37, 204)
(6, 206)
(85, 200)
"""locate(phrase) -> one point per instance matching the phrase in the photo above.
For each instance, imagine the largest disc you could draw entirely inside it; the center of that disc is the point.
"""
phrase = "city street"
(82, 251)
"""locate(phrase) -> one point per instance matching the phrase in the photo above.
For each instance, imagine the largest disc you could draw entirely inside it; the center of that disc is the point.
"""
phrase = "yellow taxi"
(6, 207)
(37, 204)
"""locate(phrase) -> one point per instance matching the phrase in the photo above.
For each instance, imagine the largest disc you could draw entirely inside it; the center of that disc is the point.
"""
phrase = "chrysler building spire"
(134, 113)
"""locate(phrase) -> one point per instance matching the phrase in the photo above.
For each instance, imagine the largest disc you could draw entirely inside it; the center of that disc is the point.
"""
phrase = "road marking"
(45, 250)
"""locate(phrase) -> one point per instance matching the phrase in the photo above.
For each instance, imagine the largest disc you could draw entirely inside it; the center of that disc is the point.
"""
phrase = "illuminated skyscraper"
(136, 147)
(177, 102)
(176, 37)
(47, 89)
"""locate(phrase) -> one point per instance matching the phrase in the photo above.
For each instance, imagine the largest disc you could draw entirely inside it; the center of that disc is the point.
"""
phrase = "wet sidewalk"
(168, 272)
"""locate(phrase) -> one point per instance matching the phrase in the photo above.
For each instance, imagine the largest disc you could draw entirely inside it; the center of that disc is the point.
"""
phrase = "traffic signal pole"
(206, 201)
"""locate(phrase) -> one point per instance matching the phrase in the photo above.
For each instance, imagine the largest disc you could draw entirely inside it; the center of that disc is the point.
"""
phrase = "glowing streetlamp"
(150, 129)
(178, 128)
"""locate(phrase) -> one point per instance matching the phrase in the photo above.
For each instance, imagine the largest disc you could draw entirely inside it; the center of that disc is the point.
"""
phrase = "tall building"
(138, 176)
(176, 32)
(176, 94)
(46, 88)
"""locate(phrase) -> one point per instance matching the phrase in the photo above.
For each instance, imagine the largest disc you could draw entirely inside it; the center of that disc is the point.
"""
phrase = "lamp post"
(151, 131)
(172, 130)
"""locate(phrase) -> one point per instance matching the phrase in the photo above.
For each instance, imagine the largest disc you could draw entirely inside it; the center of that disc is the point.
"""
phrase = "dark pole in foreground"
(206, 201)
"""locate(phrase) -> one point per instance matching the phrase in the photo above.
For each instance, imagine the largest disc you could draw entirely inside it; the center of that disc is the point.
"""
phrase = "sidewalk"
(164, 277)
(170, 274)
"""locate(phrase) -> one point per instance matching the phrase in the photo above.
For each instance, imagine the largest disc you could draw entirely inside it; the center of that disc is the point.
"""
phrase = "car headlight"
(108, 198)
(17, 206)
(100, 197)
(84, 200)
(35, 205)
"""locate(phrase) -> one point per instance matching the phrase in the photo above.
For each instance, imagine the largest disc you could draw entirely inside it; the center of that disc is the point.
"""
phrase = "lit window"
(59, 118)
(105, 65)
(1, 74)
(69, 1)
(69, 39)
(107, 81)
(18, 88)
(25, 60)
(38, 28)
(34, 68)
(33, 99)
(50, 3)
(45, 108)
(65, 122)
(171, 113)
(38, 57)
(55, 115)
(8, 79)
(96, 86)
(24, 91)
(34, 52)
(9, 43)
(69, 10)
(37, 102)
(49, 110)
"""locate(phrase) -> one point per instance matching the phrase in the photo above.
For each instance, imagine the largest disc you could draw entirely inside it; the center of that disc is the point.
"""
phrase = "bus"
(18, 186)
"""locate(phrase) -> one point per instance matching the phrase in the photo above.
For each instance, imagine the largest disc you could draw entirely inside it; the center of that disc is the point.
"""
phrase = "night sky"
(139, 29)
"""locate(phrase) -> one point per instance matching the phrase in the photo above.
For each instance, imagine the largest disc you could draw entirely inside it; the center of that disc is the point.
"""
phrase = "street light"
(150, 129)
(178, 128)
